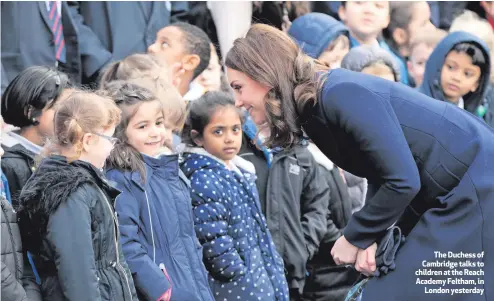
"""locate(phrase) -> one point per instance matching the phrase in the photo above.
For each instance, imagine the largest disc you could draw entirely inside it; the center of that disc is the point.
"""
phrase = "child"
(372, 60)
(28, 103)
(66, 216)
(407, 19)
(421, 47)
(458, 71)
(136, 66)
(154, 209)
(213, 78)
(238, 249)
(366, 20)
(321, 37)
(18, 283)
(187, 45)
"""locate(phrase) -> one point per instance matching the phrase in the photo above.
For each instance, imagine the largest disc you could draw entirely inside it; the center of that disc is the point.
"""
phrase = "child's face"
(211, 77)
(97, 146)
(169, 45)
(222, 137)
(335, 52)
(416, 64)
(381, 70)
(420, 21)
(146, 130)
(459, 76)
(45, 126)
(365, 19)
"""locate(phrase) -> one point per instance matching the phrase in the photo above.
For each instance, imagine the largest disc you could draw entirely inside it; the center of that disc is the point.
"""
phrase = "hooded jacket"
(313, 32)
(361, 57)
(431, 85)
(158, 232)
(67, 222)
(18, 164)
(239, 252)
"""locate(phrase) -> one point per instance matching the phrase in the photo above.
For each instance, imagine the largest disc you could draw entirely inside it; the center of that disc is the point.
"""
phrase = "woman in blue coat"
(429, 163)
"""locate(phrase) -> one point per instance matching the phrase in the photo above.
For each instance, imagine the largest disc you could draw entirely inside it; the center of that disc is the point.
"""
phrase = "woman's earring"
(34, 121)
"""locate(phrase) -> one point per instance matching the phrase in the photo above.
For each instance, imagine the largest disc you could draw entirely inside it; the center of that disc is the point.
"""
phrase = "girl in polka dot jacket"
(238, 249)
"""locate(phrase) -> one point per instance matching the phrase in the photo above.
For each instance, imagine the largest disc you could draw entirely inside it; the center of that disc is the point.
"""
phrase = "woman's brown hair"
(270, 57)
(80, 113)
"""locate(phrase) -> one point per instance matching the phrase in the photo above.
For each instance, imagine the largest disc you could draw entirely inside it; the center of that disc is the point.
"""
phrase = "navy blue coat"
(113, 30)
(239, 252)
(156, 228)
(431, 86)
(431, 166)
(313, 32)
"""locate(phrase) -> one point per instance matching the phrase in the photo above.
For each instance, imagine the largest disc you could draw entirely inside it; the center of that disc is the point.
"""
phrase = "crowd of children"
(154, 186)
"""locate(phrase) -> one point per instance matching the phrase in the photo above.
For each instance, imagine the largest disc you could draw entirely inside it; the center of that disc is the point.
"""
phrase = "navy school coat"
(431, 166)
(156, 228)
(239, 252)
(432, 77)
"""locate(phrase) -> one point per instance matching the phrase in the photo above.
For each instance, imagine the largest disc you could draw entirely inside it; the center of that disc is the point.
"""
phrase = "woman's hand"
(366, 260)
(344, 252)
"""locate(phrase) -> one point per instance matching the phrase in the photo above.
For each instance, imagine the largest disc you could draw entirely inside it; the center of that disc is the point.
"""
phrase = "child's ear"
(196, 137)
(190, 62)
(400, 36)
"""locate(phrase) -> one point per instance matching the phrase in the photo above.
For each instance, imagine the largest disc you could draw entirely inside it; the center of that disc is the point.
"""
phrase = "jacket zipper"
(117, 263)
(4, 210)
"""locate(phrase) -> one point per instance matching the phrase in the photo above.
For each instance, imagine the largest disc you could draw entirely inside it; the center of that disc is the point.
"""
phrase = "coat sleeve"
(368, 119)
(13, 170)
(74, 254)
(94, 55)
(314, 207)
(211, 224)
(149, 279)
(11, 288)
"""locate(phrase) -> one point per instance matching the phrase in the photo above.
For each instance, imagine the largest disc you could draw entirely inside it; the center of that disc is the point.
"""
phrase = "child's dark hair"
(400, 16)
(196, 41)
(34, 89)
(128, 97)
(201, 110)
(474, 52)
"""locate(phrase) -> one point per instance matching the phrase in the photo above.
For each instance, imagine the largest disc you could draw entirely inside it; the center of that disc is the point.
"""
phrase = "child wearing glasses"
(66, 214)
(154, 209)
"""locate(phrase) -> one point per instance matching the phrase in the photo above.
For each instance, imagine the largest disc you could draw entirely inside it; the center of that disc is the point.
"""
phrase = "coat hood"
(314, 31)
(431, 85)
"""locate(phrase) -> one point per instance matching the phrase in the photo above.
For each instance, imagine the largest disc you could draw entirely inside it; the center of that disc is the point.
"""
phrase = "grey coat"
(16, 285)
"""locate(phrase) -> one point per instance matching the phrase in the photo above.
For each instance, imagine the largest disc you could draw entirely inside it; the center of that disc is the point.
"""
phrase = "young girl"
(154, 209)
(66, 217)
(28, 103)
(238, 249)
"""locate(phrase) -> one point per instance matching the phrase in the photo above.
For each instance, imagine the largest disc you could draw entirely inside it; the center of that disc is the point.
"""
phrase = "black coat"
(18, 283)
(427, 159)
(297, 202)
(18, 165)
(67, 222)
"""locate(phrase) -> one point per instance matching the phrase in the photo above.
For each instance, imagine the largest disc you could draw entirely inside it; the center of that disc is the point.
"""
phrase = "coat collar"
(237, 160)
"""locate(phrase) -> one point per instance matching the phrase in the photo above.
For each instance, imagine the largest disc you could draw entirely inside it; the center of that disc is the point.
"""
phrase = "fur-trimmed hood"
(50, 185)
